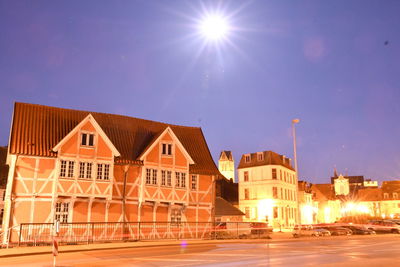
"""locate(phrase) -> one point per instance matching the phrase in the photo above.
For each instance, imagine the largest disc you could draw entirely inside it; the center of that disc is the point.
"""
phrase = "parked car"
(338, 230)
(323, 231)
(260, 228)
(360, 230)
(381, 226)
(304, 230)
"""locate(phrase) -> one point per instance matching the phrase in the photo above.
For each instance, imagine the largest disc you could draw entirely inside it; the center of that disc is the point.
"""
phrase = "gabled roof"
(391, 186)
(226, 154)
(323, 191)
(89, 118)
(224, 208)
(269, 158)
(158, 138)
(36, 129)
(369, 194)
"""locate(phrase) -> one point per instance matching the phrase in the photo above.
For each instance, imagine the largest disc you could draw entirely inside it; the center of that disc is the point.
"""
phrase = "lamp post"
(294, 121)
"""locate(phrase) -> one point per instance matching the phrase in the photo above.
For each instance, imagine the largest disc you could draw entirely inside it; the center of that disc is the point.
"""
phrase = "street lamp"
(294, 121)
(294, 143)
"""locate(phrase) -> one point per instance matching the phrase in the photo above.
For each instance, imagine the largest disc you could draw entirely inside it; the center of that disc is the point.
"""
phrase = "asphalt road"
(323, 251)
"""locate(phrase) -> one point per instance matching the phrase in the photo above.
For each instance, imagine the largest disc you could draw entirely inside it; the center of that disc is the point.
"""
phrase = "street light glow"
(214, 27)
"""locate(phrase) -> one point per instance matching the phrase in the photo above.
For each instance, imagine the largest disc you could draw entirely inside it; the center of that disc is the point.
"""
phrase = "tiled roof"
(224, 208)
(3, 167)
(36, 129)
(269, 158)
(369, 194)
(323, 192)
(227, 153)
(391, 186)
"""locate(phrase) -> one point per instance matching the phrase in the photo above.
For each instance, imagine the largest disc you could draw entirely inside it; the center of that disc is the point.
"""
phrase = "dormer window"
(166, 149)
(247, 158)
(87, 139)
(260, 156)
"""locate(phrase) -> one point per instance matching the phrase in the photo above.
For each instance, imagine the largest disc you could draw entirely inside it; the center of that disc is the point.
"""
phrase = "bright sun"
(214, 27)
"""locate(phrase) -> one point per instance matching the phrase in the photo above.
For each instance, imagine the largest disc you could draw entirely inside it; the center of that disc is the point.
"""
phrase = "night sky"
(335, 65)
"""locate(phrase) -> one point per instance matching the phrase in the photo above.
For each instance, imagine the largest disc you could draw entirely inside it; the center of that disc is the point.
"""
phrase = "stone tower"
(226, 164)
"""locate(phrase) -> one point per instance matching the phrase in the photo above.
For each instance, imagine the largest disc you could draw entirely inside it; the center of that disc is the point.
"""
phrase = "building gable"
(70, 143)
(155, 147)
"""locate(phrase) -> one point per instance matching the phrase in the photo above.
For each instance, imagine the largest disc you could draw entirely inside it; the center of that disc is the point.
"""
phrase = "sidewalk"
(25, 251)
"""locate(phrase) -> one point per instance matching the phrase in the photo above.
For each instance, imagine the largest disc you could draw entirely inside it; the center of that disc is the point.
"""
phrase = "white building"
(268, 189)
(226, 165)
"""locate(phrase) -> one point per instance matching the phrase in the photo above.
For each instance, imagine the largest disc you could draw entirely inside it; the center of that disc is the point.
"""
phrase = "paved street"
(332, 251)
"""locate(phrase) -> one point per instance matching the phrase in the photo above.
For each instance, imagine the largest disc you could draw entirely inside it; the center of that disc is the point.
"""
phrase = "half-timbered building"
(79, 166)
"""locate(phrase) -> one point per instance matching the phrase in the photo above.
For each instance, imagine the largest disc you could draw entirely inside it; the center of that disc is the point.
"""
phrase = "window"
(247, 158)
(71, 169)
(1, 216)
(67, 168)
(180, 179)
(176, 216)
(284, 176)
(246, 193)
(85, 170)
(194, 182)
(247, 212)
(106, 171)
(177, 179)
(260, 156)
(385, 195)
(183, 179)
(87, 139)
(167, 149)
(169, 178)
(280, 174)
(103, 171)
(148, 176)
(61, 213)
(275, 212)
(63, 168)
(281, 193)
(275, 192)
(246, 176)
(395, 196)
(255, 213)
(154, 177)
(163, 177)
(274, 173)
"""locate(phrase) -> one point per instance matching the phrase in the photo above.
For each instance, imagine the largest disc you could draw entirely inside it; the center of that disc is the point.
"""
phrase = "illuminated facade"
(352, 196)
(226, 165)
(76, 166)
(308, 208)
(268, 189)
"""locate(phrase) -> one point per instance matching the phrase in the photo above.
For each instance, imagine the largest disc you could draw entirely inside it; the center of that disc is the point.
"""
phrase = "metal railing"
(34, 234)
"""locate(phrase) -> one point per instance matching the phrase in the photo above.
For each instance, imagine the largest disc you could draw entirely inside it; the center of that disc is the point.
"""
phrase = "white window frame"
(247, 158)
(85, 170)
(61, 211)
(87, 139)
(169, 178)
(154, 178)
(67, 169)
(177, 179)
(163, 177)
(103, 171)
(194, 179)
(260, 156)
(168, 148)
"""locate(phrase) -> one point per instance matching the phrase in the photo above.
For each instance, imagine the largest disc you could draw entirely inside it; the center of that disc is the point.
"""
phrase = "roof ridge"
(103, 113)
